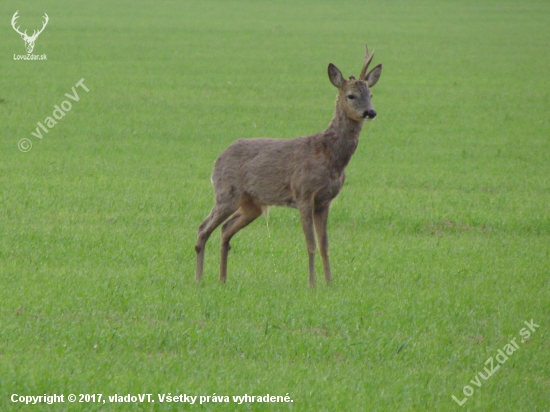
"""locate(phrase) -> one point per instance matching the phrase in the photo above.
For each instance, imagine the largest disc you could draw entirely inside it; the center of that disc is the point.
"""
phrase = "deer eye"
(351, 96)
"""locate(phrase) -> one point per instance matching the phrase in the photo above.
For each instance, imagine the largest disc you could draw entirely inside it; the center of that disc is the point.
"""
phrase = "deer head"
(354, 96)
(29, 40)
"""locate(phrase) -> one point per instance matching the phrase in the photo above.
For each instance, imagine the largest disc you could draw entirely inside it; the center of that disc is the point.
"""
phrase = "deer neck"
(342, 137)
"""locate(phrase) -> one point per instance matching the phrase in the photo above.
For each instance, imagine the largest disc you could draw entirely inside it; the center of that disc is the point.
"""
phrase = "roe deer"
(305, 173)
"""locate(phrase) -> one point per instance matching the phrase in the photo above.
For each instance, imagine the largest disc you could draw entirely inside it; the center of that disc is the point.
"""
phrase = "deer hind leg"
(249, 210)
(320, 218)
(219, 213)
(306, 216)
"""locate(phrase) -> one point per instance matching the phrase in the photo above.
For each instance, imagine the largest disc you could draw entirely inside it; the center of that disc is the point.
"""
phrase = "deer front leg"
(306, 216)
(320, 218)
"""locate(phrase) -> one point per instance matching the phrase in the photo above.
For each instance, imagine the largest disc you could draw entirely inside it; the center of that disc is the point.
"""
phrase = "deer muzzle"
(369, 114)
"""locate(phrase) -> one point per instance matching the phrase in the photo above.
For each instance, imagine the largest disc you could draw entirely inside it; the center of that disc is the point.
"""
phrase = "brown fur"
(305, 173)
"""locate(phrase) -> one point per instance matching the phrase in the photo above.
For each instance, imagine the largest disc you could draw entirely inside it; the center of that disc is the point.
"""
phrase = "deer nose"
(371, 114)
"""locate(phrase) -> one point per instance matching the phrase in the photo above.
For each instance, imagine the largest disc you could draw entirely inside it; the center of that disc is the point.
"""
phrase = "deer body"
(305, 173)
(304, 168)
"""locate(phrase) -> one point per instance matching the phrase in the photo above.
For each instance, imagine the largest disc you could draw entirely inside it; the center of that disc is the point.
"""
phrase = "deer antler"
(35, 33)
(13, 22)
(368, 59)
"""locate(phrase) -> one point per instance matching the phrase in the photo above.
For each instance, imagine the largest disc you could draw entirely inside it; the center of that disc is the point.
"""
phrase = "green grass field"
(440, 239)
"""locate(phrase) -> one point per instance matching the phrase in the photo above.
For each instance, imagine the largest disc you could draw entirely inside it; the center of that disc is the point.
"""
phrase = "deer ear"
(335, 75)
(373, 75)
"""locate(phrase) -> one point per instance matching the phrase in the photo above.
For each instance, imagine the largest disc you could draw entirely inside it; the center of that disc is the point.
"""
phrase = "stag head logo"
(29, 40)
